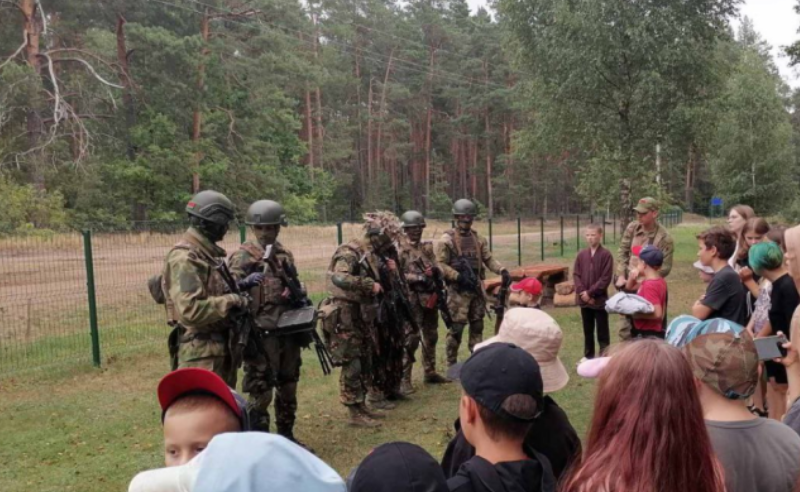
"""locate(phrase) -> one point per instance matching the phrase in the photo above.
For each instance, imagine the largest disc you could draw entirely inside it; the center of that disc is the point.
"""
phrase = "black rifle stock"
(441, 297)
(500, 303)
(247, 340)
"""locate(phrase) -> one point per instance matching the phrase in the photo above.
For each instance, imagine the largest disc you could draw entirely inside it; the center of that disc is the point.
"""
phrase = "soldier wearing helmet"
(349, 316)
(420, 261)
(264, 260)
(464, 257)
(197, 304)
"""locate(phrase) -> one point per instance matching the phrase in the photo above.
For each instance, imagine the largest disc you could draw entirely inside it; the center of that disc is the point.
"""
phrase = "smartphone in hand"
(769, 348)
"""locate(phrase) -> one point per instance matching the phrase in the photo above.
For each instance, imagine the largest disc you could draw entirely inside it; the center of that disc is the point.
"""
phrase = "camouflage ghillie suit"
(466, 306)
(636, 235)
(417, 258)
(196, 301)
(281, 372)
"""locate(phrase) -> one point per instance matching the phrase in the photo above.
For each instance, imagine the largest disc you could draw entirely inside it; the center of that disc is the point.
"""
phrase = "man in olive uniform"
(350, 314)
(265, 258)
(197, 302)
(419, 259)
(464, 256)
(643, 231)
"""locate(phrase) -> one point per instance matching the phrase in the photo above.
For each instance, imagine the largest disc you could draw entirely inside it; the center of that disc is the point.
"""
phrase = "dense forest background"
(118, 110)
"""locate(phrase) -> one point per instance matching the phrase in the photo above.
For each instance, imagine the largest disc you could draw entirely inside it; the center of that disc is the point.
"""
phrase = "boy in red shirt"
(654, 289)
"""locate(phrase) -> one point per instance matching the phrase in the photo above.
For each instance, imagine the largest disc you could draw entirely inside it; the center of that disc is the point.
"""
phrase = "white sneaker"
(583, 359)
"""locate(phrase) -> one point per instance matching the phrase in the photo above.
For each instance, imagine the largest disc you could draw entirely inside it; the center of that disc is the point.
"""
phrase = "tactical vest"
(338, 292)
(416, 263)
(270, 291)
(215, 286)
(468, 247)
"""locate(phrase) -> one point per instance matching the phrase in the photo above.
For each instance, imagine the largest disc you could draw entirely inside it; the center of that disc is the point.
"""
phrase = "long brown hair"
(746, 212)
(760, 226)
(647, 432)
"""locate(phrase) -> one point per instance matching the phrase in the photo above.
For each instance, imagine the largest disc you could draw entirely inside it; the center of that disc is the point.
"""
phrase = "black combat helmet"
(211, 206)
(266, 212)
(412, 218)
(465, 207)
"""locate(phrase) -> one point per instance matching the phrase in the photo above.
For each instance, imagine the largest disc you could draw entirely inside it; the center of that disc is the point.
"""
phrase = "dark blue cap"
(651, 256)
(499, 371)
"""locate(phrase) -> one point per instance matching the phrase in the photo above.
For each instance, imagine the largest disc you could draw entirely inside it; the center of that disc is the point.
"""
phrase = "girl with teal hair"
(767, 259)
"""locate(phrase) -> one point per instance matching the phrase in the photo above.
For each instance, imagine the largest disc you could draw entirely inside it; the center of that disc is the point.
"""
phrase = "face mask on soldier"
(266, 234)
(414, 234)
(464, 222)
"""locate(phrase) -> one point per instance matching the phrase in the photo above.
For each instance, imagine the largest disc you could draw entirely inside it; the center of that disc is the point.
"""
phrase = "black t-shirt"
(551, 434)
(478, 475)
(784, 300)
(727, 297)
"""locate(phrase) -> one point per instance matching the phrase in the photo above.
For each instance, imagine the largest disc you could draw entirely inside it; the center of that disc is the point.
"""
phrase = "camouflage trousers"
(428, 321)
(464, 308)
(208, 354)
(280, 375)
(347, 339)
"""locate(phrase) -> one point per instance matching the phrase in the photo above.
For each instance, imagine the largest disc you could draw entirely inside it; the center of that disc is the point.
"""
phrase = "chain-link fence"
(81, 297)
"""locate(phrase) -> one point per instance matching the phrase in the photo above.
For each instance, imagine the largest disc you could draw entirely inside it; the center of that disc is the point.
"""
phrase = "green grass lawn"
(85, 429)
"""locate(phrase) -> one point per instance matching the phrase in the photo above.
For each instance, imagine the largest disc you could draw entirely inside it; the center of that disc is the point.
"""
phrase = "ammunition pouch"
(154, 285)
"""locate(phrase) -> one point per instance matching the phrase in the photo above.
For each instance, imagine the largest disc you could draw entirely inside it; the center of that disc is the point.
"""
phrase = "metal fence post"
(92, 298)
(519, 241)
(603, 218)
(577, 233)
(615, 227)
(242, 234)
(339, 233)
(490, 234)
(541, 235)
(562, 235)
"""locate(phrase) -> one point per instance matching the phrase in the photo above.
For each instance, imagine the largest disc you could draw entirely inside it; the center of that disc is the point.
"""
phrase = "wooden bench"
(548, 275)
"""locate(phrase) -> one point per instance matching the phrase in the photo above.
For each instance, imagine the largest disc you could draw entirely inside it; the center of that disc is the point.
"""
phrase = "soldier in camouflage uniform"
(419, 259)
(196, 300)
(264, 258)
(349, 316)
(645, 230)
(462, 248)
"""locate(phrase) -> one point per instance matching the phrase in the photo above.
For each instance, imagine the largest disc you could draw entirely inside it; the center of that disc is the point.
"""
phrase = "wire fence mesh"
(81, 297)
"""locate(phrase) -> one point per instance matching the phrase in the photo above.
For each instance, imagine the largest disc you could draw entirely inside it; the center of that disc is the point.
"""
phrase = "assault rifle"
(394, 284)
(247, 340)
(299, 299)
(441, 297)
(467, 280)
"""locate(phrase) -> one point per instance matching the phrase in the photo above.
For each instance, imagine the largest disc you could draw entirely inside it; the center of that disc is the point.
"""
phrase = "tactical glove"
(250, 281)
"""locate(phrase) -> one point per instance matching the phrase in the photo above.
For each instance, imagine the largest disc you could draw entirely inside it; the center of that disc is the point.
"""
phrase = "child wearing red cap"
(526, 293)
(196, 405)
(592, 274)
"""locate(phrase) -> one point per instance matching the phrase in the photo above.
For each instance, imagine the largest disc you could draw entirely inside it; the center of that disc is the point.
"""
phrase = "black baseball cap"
(499, 371)
(398, 467)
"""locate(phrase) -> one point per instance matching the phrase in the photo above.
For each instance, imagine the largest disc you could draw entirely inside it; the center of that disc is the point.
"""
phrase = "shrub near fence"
(81, 297)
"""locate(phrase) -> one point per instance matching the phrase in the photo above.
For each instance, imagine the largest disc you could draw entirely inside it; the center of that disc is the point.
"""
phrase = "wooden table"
(548, 275)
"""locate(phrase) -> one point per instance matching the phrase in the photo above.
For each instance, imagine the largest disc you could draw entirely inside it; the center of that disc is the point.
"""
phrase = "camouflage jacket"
(635, 235)
(414, 257)
(195, 291)
(268, 300)
(446, 251)
(347, 273)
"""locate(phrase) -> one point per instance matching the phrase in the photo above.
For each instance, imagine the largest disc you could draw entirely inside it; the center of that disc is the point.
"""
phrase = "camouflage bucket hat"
(721, 353)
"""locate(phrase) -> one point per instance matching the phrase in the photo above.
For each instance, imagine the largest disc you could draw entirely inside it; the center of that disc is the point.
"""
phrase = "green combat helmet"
(412, 218)
(266, 212)
(211, 206)
(465, 207)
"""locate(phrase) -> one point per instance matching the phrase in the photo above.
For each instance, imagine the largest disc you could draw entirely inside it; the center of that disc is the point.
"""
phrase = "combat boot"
(373, 414)
(288, 434)
(382, 404)
(360, 419)
(406, 388)
(436, 378)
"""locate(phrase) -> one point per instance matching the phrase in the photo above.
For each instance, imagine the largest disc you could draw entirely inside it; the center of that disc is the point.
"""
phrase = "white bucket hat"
(537, 333)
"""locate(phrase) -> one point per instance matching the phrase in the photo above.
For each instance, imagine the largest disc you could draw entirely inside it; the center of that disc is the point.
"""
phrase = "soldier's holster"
(174, 343)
